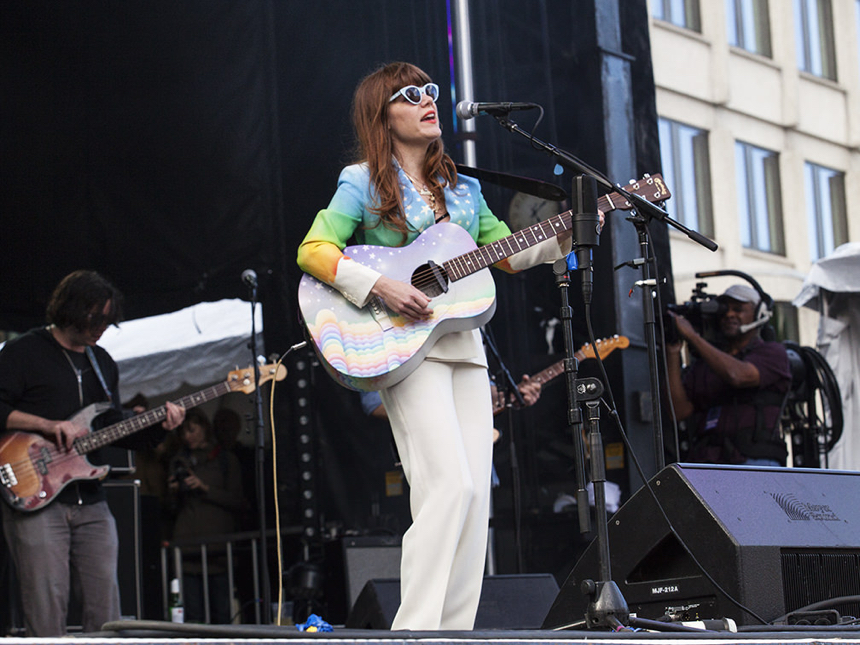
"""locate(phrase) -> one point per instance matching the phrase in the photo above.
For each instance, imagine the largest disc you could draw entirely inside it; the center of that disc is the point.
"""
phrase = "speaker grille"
(813, 576)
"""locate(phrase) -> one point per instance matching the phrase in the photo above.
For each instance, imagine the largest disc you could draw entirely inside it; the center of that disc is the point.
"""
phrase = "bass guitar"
(605, 347)
(370, 348)
(33, 469)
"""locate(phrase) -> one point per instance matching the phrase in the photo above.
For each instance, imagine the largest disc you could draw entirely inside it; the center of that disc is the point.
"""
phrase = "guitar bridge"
(380, 313)
(7, 476)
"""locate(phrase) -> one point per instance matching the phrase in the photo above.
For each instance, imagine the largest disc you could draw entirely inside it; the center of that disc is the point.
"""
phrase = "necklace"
(78, 375)
(423, 191)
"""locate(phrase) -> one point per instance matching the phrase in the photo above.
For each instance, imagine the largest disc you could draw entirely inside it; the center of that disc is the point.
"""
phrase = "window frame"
(693, 211)
(749, 20)
(818, 56)
(759, 210)
(826, 209)
(681, 13)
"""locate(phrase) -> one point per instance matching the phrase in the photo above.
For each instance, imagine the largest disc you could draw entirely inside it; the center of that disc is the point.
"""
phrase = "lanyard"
(92, 356)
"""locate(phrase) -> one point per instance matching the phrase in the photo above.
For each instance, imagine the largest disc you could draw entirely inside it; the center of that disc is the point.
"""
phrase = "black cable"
(822, 604)
(656, 269)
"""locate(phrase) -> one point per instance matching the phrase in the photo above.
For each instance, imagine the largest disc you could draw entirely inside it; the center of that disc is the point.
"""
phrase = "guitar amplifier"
(120, 460)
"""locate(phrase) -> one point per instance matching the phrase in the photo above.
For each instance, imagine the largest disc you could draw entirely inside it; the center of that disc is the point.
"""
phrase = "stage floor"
(143, 632)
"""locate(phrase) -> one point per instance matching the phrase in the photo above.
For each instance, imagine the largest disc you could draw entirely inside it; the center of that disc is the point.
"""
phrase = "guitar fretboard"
(106, 436)
(544, 376)
(466, 264)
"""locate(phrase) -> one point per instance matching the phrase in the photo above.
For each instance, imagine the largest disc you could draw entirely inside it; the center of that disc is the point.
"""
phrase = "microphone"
(763, 320)
(249, 277)
(585, 223)
(468, 110)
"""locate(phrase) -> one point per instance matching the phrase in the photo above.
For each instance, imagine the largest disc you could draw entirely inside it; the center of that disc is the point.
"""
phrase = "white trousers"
(441, 417)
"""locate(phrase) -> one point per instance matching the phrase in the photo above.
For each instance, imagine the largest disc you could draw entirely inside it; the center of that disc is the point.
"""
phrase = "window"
(785, 321)
(857, 13)
(749, 26)
(686, 170)
(684, 13)
(759, 203)
(826, 209)
(813, 24)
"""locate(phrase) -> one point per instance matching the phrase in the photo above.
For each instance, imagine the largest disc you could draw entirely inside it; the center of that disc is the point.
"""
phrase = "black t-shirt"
(38, 376)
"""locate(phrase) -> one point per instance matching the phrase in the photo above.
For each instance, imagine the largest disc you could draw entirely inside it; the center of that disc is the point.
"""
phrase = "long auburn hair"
(375, 146)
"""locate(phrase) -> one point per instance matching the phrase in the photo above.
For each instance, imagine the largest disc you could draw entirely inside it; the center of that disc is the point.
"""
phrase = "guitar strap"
(92, 356)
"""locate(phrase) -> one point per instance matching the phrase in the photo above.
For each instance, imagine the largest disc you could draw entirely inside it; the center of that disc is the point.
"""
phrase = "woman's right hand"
(402, 298)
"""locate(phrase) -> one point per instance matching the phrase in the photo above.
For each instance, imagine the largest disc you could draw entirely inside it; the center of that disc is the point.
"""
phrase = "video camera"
(704, 310)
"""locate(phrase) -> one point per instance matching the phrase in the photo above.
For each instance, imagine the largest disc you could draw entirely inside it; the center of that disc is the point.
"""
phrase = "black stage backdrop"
(171, 145)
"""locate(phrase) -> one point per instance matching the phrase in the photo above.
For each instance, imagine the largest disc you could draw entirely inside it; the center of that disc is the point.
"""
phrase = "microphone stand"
(259, 465)
(643, 208)
(606, 607)
(506, 388)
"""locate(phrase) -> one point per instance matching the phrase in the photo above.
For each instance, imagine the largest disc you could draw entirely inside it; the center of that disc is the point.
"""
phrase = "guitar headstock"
(651, 188)
(605, 346)
(243, 380)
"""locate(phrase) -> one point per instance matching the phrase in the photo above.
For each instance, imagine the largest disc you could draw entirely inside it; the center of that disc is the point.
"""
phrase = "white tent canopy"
(196, 346)
(833, 289)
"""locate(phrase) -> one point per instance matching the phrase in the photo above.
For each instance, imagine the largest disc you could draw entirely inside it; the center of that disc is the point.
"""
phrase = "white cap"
(742, 293)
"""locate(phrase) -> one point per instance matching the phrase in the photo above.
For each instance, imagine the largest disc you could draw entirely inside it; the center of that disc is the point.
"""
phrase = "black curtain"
(139, 140)
(171, 145)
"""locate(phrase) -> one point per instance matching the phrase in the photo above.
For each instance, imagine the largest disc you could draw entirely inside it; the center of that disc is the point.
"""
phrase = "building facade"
(759, 106)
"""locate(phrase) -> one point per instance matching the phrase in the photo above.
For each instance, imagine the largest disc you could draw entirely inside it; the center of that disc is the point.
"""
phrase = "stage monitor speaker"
(507, 602)
(365, 558)
(774, 539)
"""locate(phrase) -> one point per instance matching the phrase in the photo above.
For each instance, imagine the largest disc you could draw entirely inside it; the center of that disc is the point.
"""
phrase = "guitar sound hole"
(431, 279)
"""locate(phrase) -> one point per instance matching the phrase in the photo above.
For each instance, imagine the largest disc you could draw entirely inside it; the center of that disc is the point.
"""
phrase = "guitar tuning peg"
(647, 175)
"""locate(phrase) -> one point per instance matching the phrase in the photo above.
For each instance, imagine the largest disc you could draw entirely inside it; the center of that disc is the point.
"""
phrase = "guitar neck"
(117, 431)
(468, 263)
(556, 369)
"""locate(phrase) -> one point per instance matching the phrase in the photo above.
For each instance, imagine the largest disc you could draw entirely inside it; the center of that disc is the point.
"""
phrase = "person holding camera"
(205, 488)
(733, 394)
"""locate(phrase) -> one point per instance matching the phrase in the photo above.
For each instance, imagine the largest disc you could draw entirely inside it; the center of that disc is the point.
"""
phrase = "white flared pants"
(441, 417)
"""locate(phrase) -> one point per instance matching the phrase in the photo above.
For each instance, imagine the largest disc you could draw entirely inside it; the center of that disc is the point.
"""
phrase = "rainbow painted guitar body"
(371, 348)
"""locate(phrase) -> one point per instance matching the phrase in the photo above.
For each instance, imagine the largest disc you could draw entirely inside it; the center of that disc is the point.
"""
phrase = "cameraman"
(734, 394)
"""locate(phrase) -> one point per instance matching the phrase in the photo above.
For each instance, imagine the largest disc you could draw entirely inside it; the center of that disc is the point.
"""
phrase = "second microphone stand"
(606, 607)
(259, 465)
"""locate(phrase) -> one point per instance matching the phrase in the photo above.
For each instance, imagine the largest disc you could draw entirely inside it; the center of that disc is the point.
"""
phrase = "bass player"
(46, 375)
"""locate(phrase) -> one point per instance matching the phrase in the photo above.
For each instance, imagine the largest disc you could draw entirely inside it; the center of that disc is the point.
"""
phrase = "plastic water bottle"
(177, 611)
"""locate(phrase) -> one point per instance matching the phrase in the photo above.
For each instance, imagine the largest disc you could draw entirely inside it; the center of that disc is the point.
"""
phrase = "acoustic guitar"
(371, 348)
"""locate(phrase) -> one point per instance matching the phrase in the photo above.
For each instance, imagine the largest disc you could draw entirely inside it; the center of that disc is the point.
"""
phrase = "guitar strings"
(424, 277)
(53, 457)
